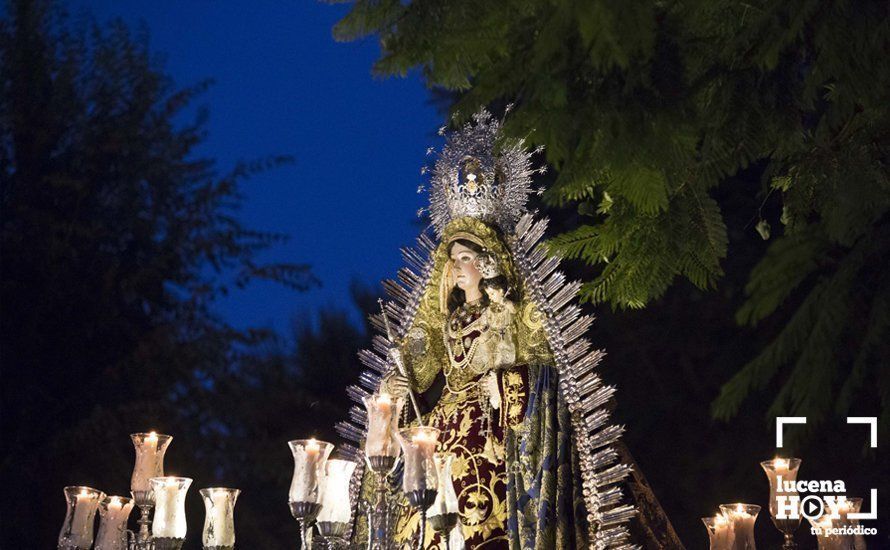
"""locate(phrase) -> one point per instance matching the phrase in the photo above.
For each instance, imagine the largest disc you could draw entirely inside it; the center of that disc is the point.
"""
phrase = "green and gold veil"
(425, 359)
(567, 481)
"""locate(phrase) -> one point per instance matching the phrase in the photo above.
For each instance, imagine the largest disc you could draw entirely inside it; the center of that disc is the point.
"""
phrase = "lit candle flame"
(424, 436)
(152, 436)
(384, 399)
(84, 493)
(780, 463)
(312, 446)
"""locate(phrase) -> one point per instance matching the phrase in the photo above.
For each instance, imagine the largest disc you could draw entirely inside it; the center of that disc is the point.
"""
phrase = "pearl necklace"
(457, 331)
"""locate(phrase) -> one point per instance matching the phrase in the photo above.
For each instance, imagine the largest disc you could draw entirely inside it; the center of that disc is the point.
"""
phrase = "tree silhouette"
(116, 240)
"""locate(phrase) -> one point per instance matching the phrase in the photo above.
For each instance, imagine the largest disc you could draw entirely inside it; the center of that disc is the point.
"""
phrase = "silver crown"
(481, 174)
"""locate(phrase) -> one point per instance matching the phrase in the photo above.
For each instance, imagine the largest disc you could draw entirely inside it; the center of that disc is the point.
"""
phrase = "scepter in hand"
(397, 359)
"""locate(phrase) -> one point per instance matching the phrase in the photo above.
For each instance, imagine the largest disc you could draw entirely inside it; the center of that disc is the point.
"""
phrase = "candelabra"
(333, 534)
(134, 542)
(379, 512)
(381, 454)
(150, 449)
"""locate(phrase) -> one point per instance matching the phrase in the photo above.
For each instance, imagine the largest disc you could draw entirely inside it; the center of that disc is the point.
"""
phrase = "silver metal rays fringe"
(505, 172)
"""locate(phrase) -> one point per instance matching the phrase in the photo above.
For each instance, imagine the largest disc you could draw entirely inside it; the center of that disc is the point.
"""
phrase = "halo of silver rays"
(579, 385)
(507, 176)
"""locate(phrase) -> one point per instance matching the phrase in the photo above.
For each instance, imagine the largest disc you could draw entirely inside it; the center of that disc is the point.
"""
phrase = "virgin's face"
(465, 274)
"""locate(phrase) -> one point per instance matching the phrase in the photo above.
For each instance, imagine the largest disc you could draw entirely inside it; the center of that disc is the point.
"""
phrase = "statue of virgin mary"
(488, 336)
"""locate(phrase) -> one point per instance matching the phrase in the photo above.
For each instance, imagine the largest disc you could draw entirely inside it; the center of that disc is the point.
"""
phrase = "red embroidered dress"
(473, 430)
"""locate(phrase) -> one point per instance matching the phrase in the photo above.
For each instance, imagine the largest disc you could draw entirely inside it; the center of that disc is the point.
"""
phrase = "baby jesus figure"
(501, 312)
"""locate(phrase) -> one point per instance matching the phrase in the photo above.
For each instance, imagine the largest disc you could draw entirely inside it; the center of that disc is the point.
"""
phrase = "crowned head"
(480, 174)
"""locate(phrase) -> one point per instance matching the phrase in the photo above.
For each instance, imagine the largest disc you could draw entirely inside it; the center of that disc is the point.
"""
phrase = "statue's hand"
(490, 383)
(396, 385)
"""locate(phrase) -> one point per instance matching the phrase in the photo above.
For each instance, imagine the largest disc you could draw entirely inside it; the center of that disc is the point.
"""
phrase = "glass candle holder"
(219, 517)
(419, 480)
(310, 458)
(113, 515)
(169, 526)
(418, 446)
(150, 449)
(825, 539)
(720, 535)
(336, 509)
(742, 516)
(852, 505)
(381, 454)
(304, 497)
(77, 530)
(443, 514)
(780, 471)
(381, 443)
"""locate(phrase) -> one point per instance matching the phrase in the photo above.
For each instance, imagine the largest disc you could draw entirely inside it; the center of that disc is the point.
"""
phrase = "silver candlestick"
(333, 534)
(380, 513)
(141, 540)
(421, 499)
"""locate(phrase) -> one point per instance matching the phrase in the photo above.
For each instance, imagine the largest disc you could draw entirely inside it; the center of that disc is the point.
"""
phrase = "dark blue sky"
(284, 86)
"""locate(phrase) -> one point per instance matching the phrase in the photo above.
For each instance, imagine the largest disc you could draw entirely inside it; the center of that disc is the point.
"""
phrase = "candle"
(83, 502)
(782, 472)
(83, 511)
(219, 521)
(169, 519)
(311, 471)
(383, 419)
(219, 512)
(418, 445)
(723, 532)
(335, 504)
(310, 457)
(720, 534)
(150, 448)
(742, 517)
(113, 513)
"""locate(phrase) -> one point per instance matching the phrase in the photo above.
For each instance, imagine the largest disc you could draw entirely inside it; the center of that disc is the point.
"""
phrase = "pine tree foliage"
(645, 108)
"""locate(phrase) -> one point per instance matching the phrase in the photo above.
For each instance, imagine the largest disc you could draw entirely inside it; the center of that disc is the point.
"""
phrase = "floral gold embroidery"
(514, 397)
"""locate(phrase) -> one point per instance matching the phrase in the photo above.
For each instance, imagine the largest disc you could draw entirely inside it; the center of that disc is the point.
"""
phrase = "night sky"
(284, 86)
